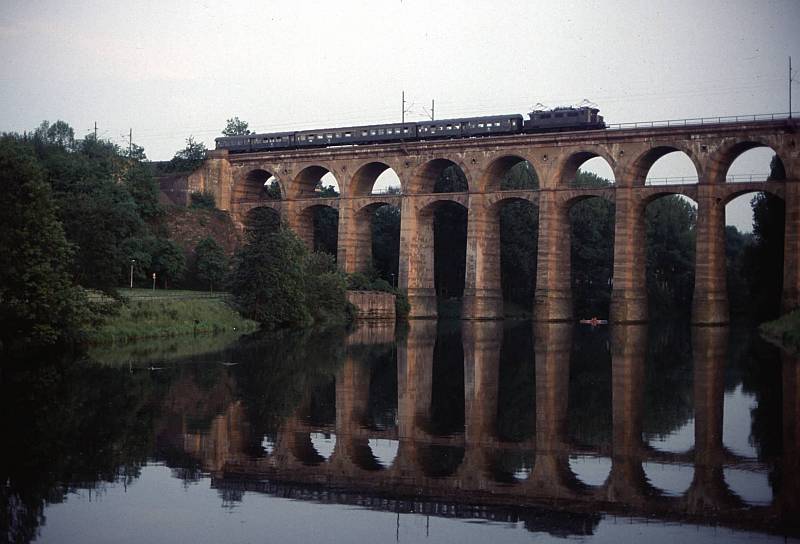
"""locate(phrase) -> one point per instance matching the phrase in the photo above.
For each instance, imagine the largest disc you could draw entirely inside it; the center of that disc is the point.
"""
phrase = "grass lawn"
(164, 313)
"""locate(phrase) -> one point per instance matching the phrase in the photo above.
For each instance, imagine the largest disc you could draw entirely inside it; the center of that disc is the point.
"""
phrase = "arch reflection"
(383, 437)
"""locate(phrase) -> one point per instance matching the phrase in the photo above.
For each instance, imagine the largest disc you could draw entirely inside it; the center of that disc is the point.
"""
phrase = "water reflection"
(480, 420)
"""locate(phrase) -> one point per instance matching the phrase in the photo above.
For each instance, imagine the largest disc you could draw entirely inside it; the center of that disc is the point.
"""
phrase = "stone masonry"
(237, 180)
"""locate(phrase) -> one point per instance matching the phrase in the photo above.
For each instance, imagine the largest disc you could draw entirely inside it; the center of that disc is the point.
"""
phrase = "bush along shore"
(784, 331)
(157, 314)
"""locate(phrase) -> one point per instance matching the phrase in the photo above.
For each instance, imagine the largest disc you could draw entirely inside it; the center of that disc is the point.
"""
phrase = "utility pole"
(790, 87)
(433, 109)
(130, 144)
(403, 108)
(95, 130)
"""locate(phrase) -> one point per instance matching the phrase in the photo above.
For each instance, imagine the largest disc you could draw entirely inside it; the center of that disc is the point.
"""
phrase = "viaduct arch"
(712, 148)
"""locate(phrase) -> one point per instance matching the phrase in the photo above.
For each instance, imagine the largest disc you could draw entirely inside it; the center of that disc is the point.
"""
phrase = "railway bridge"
(237, 181)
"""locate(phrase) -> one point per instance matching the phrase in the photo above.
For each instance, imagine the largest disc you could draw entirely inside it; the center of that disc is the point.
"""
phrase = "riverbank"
(166, 313)
(784, 331)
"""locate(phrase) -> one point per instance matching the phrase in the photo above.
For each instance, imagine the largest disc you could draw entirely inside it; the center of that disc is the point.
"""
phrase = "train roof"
(255, 135)
(467, 119)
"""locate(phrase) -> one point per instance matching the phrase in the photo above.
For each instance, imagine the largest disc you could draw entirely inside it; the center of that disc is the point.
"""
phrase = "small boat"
(594, 322)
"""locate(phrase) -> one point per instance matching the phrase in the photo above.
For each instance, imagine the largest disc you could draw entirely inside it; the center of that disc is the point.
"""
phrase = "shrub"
(202, 200)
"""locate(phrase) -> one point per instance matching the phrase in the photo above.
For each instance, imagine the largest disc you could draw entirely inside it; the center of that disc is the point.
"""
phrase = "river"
(441, 431)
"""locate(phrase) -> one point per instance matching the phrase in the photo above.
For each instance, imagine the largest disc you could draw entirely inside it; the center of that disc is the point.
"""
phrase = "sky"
(171, 69)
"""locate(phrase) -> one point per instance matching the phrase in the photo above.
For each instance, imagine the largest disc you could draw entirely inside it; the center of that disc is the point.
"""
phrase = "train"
(558, 119)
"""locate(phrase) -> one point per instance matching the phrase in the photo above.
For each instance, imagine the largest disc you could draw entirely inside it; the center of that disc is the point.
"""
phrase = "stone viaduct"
(237, 182)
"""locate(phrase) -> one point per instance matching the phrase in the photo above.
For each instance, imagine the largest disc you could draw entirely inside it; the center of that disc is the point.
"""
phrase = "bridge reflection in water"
(400, 462)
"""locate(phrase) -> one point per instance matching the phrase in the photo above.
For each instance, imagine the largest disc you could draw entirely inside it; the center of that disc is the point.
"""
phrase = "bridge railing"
(689, 180)
(704, 120)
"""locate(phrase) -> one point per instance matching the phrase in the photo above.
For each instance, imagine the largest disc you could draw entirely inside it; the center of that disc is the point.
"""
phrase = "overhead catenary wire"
(380, 115)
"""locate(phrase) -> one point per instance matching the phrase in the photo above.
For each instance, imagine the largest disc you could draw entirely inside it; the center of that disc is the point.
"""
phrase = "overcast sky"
(168, 70)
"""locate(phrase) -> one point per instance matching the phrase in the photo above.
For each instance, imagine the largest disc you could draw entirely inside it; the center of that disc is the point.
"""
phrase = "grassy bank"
(165, 313)
(784, 331)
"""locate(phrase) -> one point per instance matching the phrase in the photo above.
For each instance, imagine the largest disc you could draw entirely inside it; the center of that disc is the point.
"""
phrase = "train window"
(480, 125)
(319, 136)
(497, 123)
(559, 115)
(363, 132)
(572, 114)
(513, 122)
(457, 126)
(405, 130)
(372, 133)
(380, 131)
(329, 135)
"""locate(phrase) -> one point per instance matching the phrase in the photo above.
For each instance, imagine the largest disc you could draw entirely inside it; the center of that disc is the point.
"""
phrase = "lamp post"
(154, 281)
(132, 262)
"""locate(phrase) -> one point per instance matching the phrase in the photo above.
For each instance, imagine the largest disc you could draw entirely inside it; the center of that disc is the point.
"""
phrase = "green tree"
(670, 223)
(268, 279)
(167, 261)
(235, 127)
(141, 185)
(58, 134)
(592, 251)
(450, 235)
(98, 216)
(210, 262)
(326, 224)
(519, 234)
(763, 261)
(203, 200)
(189, 158)
(386, 242)
(325, 289)
(38, 303)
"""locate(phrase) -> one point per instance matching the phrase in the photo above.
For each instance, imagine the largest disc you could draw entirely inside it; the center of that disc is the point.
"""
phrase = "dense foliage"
(189, 158)
(236, 127)
(279, 284)
(210, 262)
(79, 212)
(39, 304)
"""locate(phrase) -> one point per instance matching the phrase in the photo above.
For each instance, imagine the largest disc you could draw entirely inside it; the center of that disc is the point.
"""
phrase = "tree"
(38, 303)
(326, 223)
(143, 188)
(268, 280)
(189, 158)
(210, 262)
(763, 261)
(98, 216)
(592, 251)
(450, 235)
(519, 234)
(203, 200)
(59, 134)
(235, 127)
(325, 288)
(167, 261)
(670, 223)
